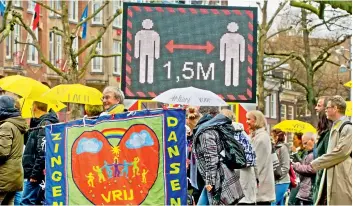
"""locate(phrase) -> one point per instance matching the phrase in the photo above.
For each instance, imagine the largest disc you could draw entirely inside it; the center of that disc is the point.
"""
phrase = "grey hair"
(309, 135)
(117, 93)
(339, 102)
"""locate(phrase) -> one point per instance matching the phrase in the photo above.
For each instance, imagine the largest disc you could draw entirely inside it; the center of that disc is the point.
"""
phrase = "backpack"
(275, 163)
(233, 154)
(243, 139)
(341, 128)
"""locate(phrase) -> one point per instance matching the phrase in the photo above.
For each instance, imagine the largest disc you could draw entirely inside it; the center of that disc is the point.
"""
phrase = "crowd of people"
(22, 145)
(316, 170)
(319, 163)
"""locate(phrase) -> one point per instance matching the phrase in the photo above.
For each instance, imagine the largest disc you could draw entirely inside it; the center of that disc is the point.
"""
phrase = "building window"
(117, 50)
(97, 19)
(287, 84)
(283, 112)
(55, 50)
(267, 106)
(97, 62)
(73, 10)
(118, 20)
(57, 6)
(51, 48)
(273, 105)
(58, 51)
(75, 47)
(307, 112)
(16, 36)
(31, 6)
(32, 51)
(290, 112)
(8, 43)
(17, 3)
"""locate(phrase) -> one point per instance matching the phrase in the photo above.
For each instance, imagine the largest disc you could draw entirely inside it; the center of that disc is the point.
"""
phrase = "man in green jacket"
(12, 128)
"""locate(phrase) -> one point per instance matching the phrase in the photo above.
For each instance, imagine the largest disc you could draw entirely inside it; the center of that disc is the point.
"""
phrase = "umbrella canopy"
(76, 93)
(190, 96)
(23, 86)
(295, 126)
(348, 84)
(26, 106)
(348, 108)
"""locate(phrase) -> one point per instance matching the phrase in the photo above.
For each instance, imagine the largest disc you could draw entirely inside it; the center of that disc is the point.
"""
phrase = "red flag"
(36, 17)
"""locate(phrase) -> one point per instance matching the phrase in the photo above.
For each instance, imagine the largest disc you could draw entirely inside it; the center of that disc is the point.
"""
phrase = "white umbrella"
(190, 96)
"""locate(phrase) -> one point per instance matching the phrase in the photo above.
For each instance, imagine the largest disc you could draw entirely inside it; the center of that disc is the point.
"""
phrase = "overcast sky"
(273, 5)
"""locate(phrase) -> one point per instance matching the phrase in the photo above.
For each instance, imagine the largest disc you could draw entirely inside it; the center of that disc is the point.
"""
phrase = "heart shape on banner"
(116, 174)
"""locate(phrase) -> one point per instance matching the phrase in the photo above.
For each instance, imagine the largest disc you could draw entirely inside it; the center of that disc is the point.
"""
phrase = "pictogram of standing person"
(147, 46)
(232, 50)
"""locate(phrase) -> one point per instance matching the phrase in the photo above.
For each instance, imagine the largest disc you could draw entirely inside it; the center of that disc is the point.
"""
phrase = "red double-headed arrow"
(171, 46)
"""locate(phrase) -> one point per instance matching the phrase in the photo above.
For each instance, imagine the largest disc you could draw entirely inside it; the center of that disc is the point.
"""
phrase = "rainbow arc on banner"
(114, 133)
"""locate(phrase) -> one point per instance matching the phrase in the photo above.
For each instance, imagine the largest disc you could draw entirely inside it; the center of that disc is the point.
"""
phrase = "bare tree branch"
(4, 18)
(293, 80)
(90, 16)
(280, 7)
(5, 28)
(24, 43)
(48, 7)
(322, 62)
(100, 33)
(328, 21)
(57, 31)
(328, 47)
(37, 46)
(304, 5)
(295, 56)
(88, 60)
(279, 64)
(278, 32)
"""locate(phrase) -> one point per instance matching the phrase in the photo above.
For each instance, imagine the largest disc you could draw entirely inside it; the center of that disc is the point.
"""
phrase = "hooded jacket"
(34, 154)
(11, 141)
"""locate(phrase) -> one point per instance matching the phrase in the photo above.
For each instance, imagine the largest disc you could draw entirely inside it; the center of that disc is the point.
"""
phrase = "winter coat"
(247, 175)
(207, 147)
(264, 168)
(34, 154)
(307, 176)
(320, 149)
(284, 162)
(11, 148)
(338, 165)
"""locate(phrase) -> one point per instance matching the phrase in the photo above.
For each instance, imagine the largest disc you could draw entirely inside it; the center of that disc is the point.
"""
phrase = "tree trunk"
(310, 98)
(260, 61)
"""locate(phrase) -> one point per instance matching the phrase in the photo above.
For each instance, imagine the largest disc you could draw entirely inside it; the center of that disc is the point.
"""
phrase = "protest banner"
(125, 159)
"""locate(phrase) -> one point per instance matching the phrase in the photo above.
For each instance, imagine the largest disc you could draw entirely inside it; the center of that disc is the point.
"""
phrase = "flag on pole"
(84, 25)
(2, 7)
(36, 17)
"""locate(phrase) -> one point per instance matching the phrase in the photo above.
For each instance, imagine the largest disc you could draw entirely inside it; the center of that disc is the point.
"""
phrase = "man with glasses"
(306, 172)
(337, 162)
(113, 100)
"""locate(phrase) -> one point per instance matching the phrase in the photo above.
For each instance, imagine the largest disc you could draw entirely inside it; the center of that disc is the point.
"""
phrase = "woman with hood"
(12, 129)
(282, 178)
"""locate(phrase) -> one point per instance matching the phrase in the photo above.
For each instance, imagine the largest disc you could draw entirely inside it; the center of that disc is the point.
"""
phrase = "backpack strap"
(341, 128)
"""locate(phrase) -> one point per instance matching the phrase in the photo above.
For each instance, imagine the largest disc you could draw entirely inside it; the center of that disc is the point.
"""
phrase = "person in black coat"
(34, 155)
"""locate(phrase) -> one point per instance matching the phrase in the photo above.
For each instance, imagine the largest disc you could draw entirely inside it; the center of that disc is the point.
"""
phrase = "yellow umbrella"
(348, 108)
(295, 126)
(76, 93)
(348, 84)
(23, 86)
(26, 106)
